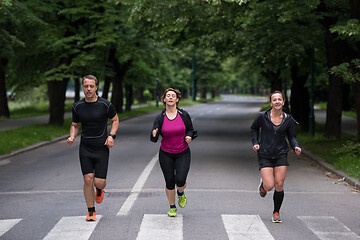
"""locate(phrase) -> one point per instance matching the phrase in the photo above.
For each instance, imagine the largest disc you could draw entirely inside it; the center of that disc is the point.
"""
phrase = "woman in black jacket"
(175, 127)
(272, 149)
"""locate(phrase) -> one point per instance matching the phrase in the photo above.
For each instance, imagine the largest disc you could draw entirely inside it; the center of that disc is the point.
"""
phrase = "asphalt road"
(41, 190)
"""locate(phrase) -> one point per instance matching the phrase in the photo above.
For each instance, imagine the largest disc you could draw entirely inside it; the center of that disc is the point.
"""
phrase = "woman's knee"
(180, 183)
(170, 186)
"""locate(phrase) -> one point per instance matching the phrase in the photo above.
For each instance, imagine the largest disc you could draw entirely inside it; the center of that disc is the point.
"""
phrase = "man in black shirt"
(92, 113)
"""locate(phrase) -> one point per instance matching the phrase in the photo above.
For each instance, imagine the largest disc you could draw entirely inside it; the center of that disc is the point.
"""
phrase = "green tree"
(350, 70)
(18, 40)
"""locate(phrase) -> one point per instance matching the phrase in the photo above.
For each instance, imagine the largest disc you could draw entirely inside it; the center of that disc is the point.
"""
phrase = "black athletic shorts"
(94, 160)
(268, 162)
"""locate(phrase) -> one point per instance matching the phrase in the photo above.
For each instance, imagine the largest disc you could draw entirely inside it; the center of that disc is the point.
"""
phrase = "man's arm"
(114, 127)
(74, 130)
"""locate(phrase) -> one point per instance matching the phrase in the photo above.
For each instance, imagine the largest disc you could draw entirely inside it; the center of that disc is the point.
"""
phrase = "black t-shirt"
(93, 117)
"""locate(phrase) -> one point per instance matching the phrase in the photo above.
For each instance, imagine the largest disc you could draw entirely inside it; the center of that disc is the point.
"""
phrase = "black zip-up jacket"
(158, 122)
(273, 143)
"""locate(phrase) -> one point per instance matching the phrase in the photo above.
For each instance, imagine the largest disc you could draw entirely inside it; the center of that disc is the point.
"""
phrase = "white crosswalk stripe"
(243, 227)
(72, 228)
(160, 226)
(7, 224)
(328, 228)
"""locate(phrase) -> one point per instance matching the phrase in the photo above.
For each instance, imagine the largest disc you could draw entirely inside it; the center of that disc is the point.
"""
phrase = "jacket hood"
(287, 116)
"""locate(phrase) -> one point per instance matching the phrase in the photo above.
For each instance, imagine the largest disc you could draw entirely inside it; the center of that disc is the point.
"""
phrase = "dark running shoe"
(262, 191)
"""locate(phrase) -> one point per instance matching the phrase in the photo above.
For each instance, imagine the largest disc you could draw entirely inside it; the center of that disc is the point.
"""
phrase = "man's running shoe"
(172, 212)
(276, 218)
(262, 191)
(91, 216)
(99, 196)
(182, 200)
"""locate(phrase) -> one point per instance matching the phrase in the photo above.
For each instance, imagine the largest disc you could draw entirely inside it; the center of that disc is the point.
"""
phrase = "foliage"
(348, 158)
(345, 158)
(350, 72)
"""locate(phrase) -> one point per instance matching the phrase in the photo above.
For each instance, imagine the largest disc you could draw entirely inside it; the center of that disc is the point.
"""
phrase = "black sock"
(98, 192)
(92, 209)
(172, 206)
(179, 194)
(278, 199)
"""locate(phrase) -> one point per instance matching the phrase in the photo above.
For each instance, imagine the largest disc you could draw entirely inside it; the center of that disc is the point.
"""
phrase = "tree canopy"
(238, 46)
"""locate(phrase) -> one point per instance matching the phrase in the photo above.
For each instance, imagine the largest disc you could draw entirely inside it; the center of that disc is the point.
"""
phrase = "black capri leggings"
(175, 167)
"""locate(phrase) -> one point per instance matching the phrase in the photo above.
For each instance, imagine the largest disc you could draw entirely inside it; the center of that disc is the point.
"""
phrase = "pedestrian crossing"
(326, 227)
(72, 228)
(245, 227)
(7, 224)
(160, 226)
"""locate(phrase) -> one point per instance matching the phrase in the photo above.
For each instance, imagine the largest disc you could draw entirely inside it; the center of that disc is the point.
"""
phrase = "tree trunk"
(276, 83)
(77, 89)
(203, 93)
(299, 99)
(4, 108)
(140, 95)
(356, 89)
(117, 94)
(57, 95)
(337, 52)
(355, 13)
(213, 93)
(107, 82)
(128, 97)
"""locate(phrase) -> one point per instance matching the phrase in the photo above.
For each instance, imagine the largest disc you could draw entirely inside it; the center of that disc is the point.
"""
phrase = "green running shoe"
(182, 200)
(172, 212)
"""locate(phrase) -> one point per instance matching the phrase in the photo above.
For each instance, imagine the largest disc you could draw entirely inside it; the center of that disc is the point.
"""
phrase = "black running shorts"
(268, 162)
(94, 160)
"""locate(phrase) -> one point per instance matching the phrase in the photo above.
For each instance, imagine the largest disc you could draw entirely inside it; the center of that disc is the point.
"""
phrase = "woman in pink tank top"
(175, 127)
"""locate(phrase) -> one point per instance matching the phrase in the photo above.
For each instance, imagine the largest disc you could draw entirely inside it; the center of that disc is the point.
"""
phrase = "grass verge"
(352, 113)
(28, 109)
(342, 153)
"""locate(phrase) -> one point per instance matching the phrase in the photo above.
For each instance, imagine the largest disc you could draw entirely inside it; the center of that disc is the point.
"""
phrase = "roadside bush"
(348, 158)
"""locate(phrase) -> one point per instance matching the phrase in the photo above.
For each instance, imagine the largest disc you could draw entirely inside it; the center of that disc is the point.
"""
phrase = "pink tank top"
(173, 140)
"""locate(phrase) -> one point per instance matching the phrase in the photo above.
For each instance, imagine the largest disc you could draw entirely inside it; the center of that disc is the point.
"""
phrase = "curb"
(350, 180)
(32, 147)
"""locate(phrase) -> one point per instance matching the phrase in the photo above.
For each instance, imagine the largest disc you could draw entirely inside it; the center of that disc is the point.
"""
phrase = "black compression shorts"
(268, 162)
(94, 160)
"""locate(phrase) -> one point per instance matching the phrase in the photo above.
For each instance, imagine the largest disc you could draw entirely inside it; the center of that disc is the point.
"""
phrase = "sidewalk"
(348, 124)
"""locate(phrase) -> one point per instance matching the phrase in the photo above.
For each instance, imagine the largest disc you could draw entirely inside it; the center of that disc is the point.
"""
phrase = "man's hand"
(70, 140)
(297, 150)
(109, 142)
